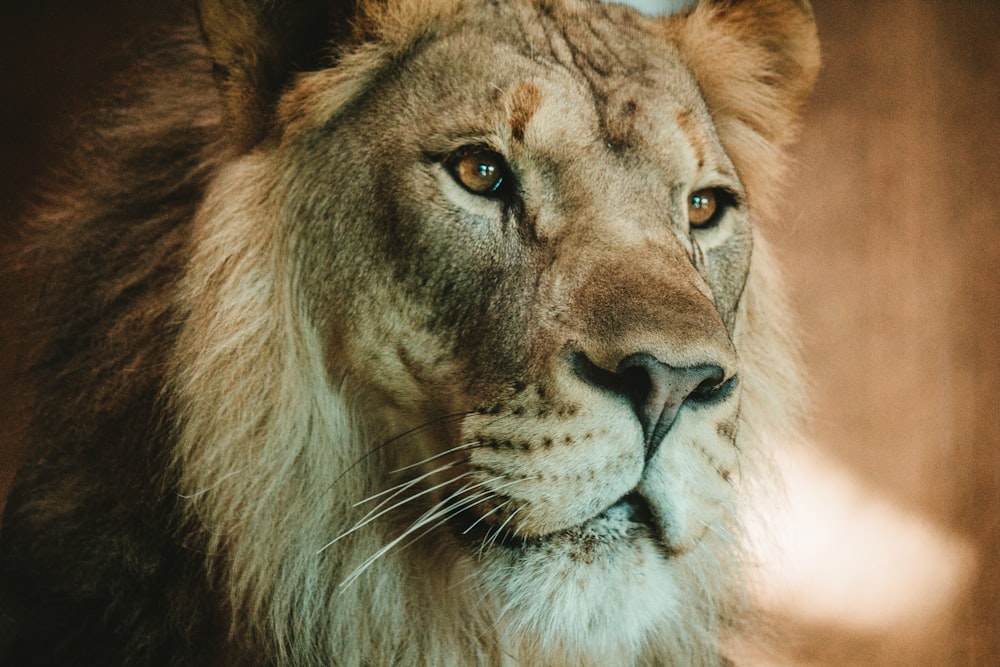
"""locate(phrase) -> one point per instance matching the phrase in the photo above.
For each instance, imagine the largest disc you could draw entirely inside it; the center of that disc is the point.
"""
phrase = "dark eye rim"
(503, 189)
(726, 200)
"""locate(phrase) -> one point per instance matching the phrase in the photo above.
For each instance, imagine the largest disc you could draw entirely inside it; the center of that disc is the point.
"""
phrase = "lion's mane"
(177, 338)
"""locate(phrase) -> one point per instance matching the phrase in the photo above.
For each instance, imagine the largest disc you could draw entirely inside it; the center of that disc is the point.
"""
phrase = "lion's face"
(505, 331)
(534, 279)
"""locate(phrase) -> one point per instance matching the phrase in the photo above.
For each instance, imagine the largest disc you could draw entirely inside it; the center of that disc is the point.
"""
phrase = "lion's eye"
(706, 207)
(480, 171)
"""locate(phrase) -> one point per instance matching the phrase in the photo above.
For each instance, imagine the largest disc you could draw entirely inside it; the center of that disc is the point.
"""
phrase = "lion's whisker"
(421, 427)
(437, 515)
(446, 514)
(467, 445)
(490, 493)
(488, 541)
(421, 521)
(416, 429)
(365, 521)
(368, 518)
(495, 509)
(400, 489)
(402, 486)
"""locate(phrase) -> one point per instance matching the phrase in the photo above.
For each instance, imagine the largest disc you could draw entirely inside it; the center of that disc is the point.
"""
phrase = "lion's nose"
(656, 390)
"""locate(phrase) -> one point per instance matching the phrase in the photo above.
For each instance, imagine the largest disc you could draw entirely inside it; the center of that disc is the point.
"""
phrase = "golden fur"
(402, 410)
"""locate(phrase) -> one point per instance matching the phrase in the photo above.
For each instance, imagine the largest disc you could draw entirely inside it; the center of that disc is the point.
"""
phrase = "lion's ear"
(257, 46)
(755, 60)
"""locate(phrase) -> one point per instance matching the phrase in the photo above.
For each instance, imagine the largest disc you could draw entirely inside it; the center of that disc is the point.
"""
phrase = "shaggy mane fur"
(179, 339)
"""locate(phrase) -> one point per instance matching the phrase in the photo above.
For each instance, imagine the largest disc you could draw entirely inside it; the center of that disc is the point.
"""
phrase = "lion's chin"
(597, 589)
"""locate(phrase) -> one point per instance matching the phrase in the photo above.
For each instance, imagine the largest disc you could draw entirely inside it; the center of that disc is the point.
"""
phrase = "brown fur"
(309, 401)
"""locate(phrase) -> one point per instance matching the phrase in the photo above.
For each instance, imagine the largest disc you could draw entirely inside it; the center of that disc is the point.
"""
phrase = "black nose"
(656, 390)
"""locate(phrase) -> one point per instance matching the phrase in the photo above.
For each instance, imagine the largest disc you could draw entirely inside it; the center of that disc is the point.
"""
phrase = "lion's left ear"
(755, 60)
(257, 46)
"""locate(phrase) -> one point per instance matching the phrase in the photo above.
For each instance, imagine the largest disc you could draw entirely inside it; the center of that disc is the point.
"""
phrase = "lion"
(422, 332)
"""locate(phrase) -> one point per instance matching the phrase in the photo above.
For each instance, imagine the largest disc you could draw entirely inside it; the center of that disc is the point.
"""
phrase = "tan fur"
(724, 49)
(292, 400)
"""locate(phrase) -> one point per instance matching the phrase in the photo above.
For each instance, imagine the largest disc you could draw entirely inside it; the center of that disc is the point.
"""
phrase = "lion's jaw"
(611, 584)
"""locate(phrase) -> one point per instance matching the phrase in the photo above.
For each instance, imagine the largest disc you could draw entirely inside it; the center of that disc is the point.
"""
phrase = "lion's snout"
(655, 390)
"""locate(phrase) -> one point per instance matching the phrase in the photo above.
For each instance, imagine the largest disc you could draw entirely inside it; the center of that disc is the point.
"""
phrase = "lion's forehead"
(569, 86)
(595, 109)
(608, 68)
(563, 77)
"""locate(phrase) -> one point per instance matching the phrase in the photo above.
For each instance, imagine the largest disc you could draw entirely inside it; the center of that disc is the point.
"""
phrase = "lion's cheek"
(557, 473)
(406, 367)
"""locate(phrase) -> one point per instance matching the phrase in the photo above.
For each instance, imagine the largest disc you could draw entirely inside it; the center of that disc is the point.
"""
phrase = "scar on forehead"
(524, 102)
(689, 128)
(618, 120)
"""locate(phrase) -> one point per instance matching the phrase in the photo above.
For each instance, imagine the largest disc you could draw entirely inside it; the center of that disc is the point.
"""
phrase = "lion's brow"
(524, 102)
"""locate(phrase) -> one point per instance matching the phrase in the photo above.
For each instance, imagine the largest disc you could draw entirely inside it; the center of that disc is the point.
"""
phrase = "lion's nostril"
(708, 389)
(655, 390)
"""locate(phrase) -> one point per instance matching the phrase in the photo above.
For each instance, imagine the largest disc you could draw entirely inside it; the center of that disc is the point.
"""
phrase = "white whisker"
(495, 509)
(446, 514)
(425, 518)
(402, 486)
(369, 517)
(488, 541)
(436, 456)
(437, 515)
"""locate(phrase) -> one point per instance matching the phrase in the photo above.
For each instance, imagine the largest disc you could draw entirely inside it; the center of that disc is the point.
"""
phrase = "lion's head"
(479, 327)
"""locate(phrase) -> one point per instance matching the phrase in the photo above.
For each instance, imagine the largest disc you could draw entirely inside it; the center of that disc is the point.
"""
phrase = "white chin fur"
(592, 598)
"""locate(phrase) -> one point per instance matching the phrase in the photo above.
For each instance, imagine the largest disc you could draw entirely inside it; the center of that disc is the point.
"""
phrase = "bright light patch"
(841, 554)
(657, 7)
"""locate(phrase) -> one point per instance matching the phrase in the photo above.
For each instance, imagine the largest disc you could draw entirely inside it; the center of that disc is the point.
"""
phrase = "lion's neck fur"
(269, 454)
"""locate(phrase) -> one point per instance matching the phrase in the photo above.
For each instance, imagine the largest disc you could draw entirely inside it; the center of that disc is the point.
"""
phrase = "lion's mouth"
(631, 510)
(630, 507)
(627, 516)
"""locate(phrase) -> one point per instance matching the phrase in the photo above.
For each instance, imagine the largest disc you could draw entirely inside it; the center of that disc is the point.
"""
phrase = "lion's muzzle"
(655, 390)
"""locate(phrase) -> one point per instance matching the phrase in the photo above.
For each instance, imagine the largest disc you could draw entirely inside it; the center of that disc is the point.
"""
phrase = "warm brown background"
(894, 249)
(892, 238)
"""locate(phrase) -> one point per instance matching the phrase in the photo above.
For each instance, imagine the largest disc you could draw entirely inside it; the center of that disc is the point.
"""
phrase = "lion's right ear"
(756, 62)
(757, 59)
(257, 46)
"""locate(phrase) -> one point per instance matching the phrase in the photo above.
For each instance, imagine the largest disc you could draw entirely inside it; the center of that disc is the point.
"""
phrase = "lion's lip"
(632, 506)
(632, 509)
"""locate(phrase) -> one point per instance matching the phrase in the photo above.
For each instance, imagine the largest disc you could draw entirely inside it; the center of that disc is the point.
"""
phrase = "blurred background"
(888, 549)
(892, 240)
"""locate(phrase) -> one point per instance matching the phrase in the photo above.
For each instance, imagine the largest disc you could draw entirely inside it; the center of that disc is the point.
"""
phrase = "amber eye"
(701, 207)
(480, 171)
(706, 207)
